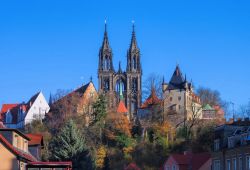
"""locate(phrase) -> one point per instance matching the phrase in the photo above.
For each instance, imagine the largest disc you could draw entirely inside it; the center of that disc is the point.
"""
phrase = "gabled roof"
(195, 160)
(82, 89)
(14, 108)
(35, 139)
(17, 131)
(207, 107)
(33, 98)
(6, 107)
(79, 91)
(151, 100)
(121, 107)
(15, 151)
(177, 80)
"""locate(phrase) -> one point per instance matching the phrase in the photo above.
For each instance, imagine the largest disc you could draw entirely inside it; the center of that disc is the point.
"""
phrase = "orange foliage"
(117, 123)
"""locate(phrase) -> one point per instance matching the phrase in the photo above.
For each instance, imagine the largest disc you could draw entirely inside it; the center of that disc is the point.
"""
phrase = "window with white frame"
(228, 164)
(216, 165)
(248, 162)
(234, 164)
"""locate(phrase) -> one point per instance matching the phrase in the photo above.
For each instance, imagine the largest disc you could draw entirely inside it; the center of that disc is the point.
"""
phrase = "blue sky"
(49, 45)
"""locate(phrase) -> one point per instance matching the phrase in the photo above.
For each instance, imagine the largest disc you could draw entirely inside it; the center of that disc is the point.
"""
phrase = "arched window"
(118, 86)
(106, 84)
(134, 84)
(106, 63)
(134, 63)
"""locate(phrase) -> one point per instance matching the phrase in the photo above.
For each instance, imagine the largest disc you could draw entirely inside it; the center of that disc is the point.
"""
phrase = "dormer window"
(8, 117)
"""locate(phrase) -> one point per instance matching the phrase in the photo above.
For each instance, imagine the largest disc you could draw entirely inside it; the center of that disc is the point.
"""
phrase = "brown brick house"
(232, 146)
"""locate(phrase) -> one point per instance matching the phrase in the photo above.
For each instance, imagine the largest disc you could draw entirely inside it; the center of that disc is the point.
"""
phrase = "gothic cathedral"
(113, 83)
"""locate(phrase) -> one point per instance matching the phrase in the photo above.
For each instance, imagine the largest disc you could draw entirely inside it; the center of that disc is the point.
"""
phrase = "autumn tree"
(117, 124)
(101, 155)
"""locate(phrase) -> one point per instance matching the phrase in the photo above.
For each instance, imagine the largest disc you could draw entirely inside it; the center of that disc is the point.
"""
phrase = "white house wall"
(38, 109)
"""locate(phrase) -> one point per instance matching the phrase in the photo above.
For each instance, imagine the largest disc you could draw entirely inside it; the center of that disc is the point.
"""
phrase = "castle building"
(110, 79)
(180, 99)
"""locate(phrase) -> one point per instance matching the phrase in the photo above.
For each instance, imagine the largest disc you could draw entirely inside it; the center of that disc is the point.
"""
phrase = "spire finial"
(91, 78)
(105, 24)
(120, 68)
(133, 26)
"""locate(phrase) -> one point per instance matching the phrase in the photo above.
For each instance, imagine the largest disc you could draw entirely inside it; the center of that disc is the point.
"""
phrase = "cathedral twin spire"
(105, 54)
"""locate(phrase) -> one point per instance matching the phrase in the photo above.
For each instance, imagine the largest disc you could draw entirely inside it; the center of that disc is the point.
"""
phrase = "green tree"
(100, 110)
(99, 114)
(69, 145)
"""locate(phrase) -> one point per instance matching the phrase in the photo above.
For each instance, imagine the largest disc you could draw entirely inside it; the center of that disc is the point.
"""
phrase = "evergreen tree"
(100, 110)
(69, 145)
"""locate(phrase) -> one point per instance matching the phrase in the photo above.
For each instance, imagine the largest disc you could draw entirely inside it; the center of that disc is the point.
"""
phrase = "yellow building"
(14, 154)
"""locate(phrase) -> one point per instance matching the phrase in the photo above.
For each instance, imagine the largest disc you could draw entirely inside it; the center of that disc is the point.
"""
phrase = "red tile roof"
(51, 163)
(122, 108)
(13, 108)
(196, 98)
(35, 139)
(7, 107)
(151, 100)
(132, 166)
(195, 160)
(15, 151)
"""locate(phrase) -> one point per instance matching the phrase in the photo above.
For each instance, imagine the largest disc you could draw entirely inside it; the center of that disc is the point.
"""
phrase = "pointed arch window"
(134, 84)
(118, 86)
(106, 85)
(106, 63)
(134, 62)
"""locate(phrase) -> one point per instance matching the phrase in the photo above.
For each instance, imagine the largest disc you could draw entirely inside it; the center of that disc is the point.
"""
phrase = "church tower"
(106, 68)
(114, 84)
(134, 76)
